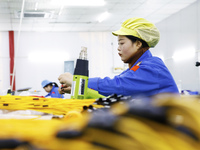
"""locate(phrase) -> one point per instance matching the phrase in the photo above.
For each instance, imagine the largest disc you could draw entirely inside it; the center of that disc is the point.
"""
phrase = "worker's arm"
(147, 80)
(130, 82)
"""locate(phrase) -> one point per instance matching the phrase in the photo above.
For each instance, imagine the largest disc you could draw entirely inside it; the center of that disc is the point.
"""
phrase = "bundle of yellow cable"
(143, 124)
(183, 112)
(161, 123)
(166, 122)
(39, 133)
(55, 106)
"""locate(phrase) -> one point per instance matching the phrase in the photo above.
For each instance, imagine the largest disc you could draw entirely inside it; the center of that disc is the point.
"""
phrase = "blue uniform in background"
(149, 78)
(54, 93)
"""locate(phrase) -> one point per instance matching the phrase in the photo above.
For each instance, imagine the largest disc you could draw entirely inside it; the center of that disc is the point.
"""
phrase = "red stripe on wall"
(12, 54)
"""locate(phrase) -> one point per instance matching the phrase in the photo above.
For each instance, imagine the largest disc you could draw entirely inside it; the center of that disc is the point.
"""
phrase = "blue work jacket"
(149, 78)
(54, 93)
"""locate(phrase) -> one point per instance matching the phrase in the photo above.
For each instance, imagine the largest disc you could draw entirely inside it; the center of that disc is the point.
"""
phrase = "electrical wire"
(134, 124)
(55, 106)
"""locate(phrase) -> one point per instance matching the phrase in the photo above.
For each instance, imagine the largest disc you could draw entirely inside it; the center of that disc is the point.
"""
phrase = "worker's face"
(48, 88)
(126, 48)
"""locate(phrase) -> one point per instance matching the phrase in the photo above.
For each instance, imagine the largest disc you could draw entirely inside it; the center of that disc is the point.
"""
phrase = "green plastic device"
(80, 88)
(92, 94)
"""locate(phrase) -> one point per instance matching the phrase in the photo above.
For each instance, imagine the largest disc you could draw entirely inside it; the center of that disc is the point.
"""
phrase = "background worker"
(52, 89)
(147, 75)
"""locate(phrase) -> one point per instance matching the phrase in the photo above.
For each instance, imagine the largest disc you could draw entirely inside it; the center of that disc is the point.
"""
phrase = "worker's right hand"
(64, 89)
(66, 79)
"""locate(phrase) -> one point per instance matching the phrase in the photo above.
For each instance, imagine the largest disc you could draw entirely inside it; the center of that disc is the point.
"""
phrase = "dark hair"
(134, 39)
(51, 84)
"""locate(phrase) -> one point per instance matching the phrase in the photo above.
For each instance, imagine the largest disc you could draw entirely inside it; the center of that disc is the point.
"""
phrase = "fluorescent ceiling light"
(103, 16)
(78, 2)
(184, 54)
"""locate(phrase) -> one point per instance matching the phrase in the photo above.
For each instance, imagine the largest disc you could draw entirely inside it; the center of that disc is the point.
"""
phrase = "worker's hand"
(66, 79)
(64, 89)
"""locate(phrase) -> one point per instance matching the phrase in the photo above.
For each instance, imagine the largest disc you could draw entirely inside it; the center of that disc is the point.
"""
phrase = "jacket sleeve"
(144, 79)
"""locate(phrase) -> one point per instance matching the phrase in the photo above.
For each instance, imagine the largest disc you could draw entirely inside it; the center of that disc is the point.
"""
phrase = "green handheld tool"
(80, 88)
(80, 77)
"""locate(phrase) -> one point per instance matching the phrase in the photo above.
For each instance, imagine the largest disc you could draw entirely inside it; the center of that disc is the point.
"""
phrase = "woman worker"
(147, 75)
(52, 89)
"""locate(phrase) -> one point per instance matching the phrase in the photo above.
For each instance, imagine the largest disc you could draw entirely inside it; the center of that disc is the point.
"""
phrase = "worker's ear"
(138, 44)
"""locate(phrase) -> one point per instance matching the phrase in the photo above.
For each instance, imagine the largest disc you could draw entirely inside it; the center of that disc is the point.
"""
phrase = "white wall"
(178, 33)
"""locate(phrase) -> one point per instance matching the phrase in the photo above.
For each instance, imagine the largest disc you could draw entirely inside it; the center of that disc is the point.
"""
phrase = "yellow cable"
(54, 106)
(130, 132)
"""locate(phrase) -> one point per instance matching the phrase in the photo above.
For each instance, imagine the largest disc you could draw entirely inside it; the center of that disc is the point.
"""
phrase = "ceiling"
(83, 18)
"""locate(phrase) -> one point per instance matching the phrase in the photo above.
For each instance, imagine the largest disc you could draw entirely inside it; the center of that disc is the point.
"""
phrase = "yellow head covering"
(141, 28)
